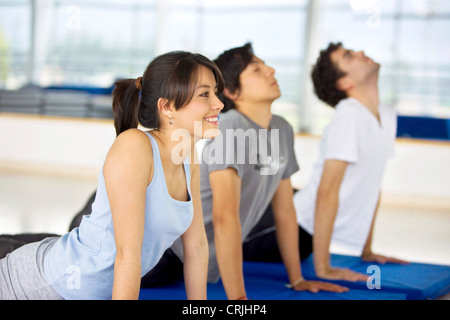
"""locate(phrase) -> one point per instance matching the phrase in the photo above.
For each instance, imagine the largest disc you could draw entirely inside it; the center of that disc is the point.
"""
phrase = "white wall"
(54, 142)
(420, 169)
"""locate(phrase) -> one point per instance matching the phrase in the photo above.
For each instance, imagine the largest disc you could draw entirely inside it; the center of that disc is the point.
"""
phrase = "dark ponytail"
(125, 105)
(171, 76)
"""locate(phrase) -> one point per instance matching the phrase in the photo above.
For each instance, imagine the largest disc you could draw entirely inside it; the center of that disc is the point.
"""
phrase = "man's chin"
(277, 96)
(376, 68)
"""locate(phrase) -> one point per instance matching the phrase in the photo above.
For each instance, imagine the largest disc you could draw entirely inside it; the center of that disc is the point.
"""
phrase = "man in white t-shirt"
(339, 203)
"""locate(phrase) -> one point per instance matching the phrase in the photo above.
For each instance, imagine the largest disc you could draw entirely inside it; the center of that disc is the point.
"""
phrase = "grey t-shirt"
(262, 158)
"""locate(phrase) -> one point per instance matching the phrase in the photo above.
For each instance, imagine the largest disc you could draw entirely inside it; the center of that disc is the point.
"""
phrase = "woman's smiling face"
(204, 108)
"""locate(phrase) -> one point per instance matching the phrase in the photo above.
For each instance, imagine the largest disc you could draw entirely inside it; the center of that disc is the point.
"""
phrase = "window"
(276, 30)
(90, 43)
(267, 27)
(15, 43)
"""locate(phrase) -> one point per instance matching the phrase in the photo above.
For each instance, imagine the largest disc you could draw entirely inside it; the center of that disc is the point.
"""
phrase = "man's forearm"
(228, 242)
(326, 210)
(287, 237)
(368, 245)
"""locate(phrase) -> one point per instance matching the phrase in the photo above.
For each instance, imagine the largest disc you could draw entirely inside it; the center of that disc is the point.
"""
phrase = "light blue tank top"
(81, 263)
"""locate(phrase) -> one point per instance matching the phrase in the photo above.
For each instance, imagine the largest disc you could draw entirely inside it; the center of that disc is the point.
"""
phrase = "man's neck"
(369, 96)
(261, 113)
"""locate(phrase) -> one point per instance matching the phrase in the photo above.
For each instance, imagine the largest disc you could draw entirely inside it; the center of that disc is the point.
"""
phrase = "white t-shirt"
(353, 135)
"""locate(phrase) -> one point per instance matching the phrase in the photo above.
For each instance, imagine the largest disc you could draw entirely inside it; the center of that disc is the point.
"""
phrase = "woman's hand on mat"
(331, 273)
(378, 258)
(316, 286)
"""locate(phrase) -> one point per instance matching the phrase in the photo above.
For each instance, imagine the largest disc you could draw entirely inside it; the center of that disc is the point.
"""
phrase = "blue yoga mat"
(265, 281)
(267, 291)
(418, 281)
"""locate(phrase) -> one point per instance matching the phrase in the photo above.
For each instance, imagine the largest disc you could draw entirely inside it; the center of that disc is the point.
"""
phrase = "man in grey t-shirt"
(262, 159)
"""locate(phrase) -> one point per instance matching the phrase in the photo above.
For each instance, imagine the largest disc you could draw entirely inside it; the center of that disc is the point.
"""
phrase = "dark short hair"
(172, 76)
(231, 63)
(325, 75)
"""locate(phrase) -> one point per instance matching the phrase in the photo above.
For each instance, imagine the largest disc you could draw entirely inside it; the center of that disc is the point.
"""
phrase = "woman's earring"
(171, 120)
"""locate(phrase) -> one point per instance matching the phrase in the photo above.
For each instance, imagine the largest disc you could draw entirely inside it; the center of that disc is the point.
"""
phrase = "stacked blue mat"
(265, 281)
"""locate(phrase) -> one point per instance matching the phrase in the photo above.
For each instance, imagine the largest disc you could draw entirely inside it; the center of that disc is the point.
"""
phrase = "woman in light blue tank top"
(148, 193)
